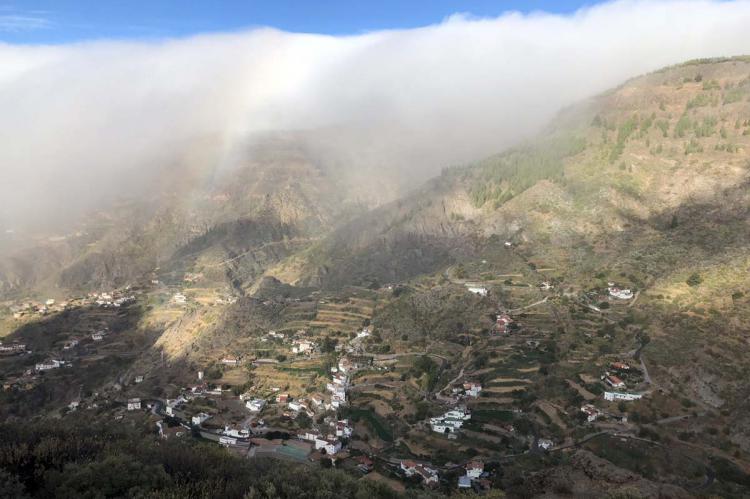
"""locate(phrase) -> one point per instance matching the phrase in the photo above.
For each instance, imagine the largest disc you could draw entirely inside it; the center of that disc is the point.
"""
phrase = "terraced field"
(346, 316)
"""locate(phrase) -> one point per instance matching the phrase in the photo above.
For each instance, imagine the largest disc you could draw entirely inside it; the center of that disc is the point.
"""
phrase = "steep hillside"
(626, 169)
(276, 200)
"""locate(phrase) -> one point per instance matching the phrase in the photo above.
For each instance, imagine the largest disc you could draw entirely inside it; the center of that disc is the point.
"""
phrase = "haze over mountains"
(88, 122)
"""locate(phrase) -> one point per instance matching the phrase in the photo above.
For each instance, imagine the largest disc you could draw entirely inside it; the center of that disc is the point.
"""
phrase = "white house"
(13, 347)
(345, 365)
(611, 396)
(303, 346)
(545, 443)
(172, 404)
(364, 333)
(342, 428)
(230, 361)
(134, 404)
(458, 413)
(255, 405)
(338, 400)
(429, 475)
(472, 389)
(615, 382)
(139, 379)
(621, 294)
(408, 467)
(50, 364)
(474, 469)
(227, 441)
(331, 446)
(296, 405)
(199, 418)
(310, 435)
(591, 412)
(179, 298)
(477, 290)
(231, 432)
(450, 422)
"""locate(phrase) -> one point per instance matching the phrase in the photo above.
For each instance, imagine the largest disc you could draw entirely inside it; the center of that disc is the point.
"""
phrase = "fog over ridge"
(78, 120)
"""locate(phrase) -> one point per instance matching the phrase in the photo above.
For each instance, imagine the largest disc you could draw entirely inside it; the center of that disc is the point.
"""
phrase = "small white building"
(138, 379)
(612, 396)
(615, 382)
(231, 432)
(477, 290)
(303, 346)
(545, 443)
(199, 418)
(50, 364)
(591, 412)
(472, 389)
(620, 294)
(230, 361)
(255, 405)
(342, 428)
(134, 404)
(297, 405)
(474, 469)
(364, 333)
(428, 475)
(309, 435)
(331, 446)
(450, 422)
(226, 441)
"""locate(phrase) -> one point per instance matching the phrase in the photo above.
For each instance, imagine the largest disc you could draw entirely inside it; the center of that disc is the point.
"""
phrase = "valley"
(568, 318)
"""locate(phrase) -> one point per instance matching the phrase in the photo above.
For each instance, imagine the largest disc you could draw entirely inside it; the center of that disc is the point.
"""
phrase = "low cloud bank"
(82, 123)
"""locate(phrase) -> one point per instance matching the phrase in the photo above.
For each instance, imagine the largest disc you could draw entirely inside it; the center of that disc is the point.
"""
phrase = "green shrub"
(694, 279)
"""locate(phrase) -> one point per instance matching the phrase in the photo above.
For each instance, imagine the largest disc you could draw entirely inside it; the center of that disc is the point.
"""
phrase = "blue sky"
(62, 21)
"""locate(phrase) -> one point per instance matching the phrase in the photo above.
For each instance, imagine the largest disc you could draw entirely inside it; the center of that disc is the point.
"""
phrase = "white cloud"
(13, 20)
(76, 120)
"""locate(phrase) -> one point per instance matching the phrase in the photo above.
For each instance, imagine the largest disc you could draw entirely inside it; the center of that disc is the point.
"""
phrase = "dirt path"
(532, 305)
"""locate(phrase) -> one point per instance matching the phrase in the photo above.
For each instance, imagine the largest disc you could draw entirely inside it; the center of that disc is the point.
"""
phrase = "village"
(329, 386)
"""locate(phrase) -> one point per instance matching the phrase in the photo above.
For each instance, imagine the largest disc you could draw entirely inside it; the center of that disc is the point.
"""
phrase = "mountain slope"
(276, 199)
(634, 160)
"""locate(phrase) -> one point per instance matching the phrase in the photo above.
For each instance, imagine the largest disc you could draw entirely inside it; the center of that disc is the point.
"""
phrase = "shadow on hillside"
(93, 363)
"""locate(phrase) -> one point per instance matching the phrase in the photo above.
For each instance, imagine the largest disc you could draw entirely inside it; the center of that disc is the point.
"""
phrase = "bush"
(694, 280)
